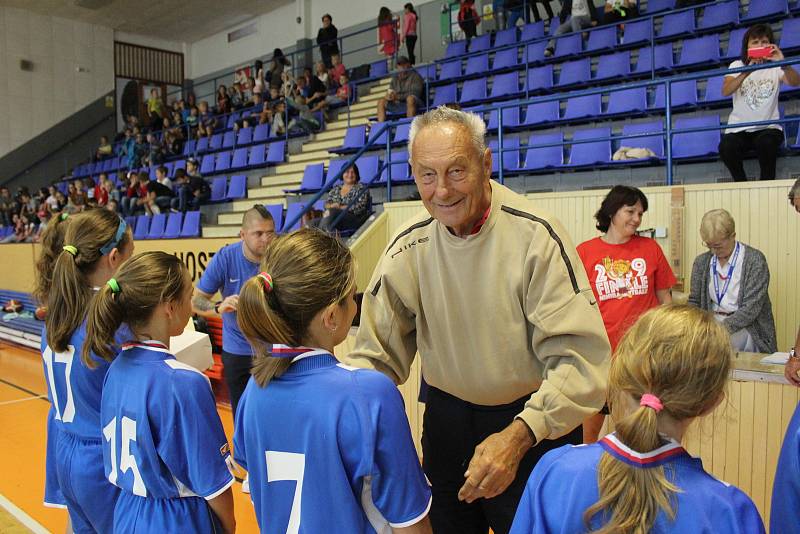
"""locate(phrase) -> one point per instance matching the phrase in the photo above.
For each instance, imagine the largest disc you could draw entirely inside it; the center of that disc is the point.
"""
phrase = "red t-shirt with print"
(624, 279)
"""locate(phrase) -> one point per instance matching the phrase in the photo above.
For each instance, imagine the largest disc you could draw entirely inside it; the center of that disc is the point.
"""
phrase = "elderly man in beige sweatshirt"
(491, 293)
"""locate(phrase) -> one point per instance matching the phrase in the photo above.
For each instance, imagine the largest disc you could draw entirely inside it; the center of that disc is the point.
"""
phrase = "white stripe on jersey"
(180, 366)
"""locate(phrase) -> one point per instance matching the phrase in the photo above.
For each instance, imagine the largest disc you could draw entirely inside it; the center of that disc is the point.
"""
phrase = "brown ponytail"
(87, 232)
(682, 355)
(310, 271)
(144, 281)
(52, 241)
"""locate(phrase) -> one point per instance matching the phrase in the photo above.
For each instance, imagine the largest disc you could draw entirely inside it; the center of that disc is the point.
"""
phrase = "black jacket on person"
(327, 39)
(566, 10)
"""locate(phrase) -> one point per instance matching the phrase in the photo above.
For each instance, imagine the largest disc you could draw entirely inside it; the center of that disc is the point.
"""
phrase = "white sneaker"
(246, 484)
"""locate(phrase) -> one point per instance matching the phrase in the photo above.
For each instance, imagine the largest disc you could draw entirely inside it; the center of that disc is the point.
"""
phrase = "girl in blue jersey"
(96, 242)
(327, 447)
(670, 368)
(163, 442)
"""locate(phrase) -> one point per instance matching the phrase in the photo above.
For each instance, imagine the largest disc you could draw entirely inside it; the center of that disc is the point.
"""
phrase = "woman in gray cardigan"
(731, 280)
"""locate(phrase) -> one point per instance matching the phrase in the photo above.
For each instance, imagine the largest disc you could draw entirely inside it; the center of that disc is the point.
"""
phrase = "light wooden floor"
(23, 414)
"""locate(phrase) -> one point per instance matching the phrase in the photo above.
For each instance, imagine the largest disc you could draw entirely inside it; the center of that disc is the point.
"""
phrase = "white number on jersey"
(50, 360)
(127, 461)
(288, 466)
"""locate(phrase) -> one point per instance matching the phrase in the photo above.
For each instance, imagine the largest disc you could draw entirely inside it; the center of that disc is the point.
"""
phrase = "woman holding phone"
(755, 98)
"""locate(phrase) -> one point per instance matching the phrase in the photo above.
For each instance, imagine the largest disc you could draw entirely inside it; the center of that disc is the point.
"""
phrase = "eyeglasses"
(719, 245)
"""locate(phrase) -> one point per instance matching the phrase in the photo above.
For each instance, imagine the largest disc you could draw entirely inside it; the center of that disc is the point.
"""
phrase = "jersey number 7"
(50, 359)
(126, 461)
(288, 466)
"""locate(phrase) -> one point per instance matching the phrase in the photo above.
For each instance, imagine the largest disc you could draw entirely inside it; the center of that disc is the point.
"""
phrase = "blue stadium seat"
(313, 177)
(142, 227)
(223, 162)
(569, 45)
(663, 55)
(207, 166)
(261, 133)
(445, 95)
(602, 39)
(294, 210)
(374, 136)
(170, 168)
(592, 152)
(368, 168)
(449, 70)
(157, 223)
(540, 79)
(505, 37)
(540, 157)
(229, 139)
(553, 25)
(480, 43)
(510, 118)
(276, 210)
(257, 156)
(276, 153)
(510, 154)
(696, 144)
(656, 6)
(575, 72)
(713, 92)
(541, 113)
(683, 93)
(130, 221)
(677, 24)
(456, 49)
(534, 30)
(202, 145)
(378, 68)
(700, 51)
(401, 133)
(191, 224)
(534, 52)
(400, 172)
(239, 160)
(231, 120)
(734, 50)
(790, 35)
(506, 59)
(627, 101)
(720, 15)
(583, 107)
(637, 32)
(765, 9)
(219, 187)
(215, 143)
(189, 147)
(613, 66)
(428, 72)
(505, 85)
(335, 166)
(245, 136)
(353, 139)
(237, 188)
(653, 142)
(477, 65)
(173, 228)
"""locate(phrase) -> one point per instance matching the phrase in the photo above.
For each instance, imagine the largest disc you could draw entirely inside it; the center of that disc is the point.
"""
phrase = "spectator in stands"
(51, 200)
(62, 200)
(619, 10)
(173, 142)
(105, 150)
(731, 280)
(315, 89)
(247, 91)
(755, 98)
(341, 97)
(193, 121)
(278, 124)
(192, 191)
(387, 33)
(327, 39)
(7, 206)
(155, 151)
(515, 357)
(155, 107)
(192, 168)
(339, 198)
(156, 196)
(335, 74)
(206, 122)
(289, 85)
(162, 177)
(575, 15)
(405, 91)
(468, 18)
(260, 86)
(223, 100)
(19, 230)
(321, 73)
(236, 96)
(137, 151)
(77, 197)
(130, 202)
(276, 68)
(305, 121)
(628, 274)
(125, 146)
(113, 206)
(408, 30)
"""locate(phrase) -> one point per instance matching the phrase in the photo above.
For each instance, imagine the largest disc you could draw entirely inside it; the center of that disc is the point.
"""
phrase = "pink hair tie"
(267, 279)
(651, 401)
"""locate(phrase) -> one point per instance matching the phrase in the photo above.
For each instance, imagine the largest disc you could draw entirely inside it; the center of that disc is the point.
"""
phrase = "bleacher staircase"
(289, 175)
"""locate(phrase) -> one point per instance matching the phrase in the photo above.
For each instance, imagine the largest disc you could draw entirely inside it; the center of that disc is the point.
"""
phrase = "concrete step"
(338, 134)
(246, 204)
(315, 147)
(312, 155)
(284, 180)
(223, 231)
(290, 168)
(276, 190)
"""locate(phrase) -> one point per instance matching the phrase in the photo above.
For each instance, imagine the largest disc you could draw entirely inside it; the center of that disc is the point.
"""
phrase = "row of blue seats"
(373, 171)
(165, 226)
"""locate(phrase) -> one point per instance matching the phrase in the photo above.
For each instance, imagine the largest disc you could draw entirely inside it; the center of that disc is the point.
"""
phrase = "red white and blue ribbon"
(148, 344)
(295, 353)
(666, 453)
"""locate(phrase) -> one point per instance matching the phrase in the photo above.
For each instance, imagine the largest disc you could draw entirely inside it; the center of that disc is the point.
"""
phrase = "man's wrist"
(523, 433)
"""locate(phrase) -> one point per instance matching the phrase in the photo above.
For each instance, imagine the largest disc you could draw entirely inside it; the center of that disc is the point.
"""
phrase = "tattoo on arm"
(202, 303)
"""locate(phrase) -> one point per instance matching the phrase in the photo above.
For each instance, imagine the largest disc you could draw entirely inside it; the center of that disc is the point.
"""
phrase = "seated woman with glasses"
(731, 280)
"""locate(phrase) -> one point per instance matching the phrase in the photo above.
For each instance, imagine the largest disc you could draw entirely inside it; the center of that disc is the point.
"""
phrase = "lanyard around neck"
(731, 267)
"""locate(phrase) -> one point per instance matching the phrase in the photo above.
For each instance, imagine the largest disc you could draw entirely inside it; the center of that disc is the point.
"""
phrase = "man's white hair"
(472, 122)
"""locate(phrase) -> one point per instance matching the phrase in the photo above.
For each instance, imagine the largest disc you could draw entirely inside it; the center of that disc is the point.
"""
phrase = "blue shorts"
(90, 497)
(145, 515)
(400, 106)
(53, 497)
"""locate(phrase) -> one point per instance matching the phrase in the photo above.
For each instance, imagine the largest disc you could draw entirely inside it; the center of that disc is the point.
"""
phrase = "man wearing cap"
(405, 91)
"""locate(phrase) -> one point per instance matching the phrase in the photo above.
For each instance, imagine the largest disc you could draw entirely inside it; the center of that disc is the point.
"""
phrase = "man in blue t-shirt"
(228, 270)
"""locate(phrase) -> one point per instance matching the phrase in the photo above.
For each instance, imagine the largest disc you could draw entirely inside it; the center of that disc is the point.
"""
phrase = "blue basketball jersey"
(163, 442)
(328, 448)
(227, 272)
(564, 484)
(785, 515)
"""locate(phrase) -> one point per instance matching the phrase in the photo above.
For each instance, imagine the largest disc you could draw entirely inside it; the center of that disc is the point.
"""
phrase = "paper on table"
(776, 358)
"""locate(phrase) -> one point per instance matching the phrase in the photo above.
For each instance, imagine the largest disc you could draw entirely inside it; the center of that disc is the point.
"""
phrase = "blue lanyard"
(731, 266)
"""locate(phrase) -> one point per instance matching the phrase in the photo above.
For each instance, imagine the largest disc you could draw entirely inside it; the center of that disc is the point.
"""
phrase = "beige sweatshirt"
(498, 315)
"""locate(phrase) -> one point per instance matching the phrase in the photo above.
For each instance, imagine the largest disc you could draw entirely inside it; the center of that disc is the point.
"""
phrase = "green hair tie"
(72, 250)
(112, 283)
(64, 216)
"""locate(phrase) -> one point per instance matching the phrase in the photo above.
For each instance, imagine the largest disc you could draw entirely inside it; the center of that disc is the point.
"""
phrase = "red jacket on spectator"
(100, 195)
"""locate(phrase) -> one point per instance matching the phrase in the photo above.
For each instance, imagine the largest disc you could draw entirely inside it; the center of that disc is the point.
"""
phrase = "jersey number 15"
(127, 462)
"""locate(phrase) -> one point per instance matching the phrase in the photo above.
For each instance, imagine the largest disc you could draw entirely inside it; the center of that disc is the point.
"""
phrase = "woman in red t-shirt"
(629, 274)
(387, 32)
